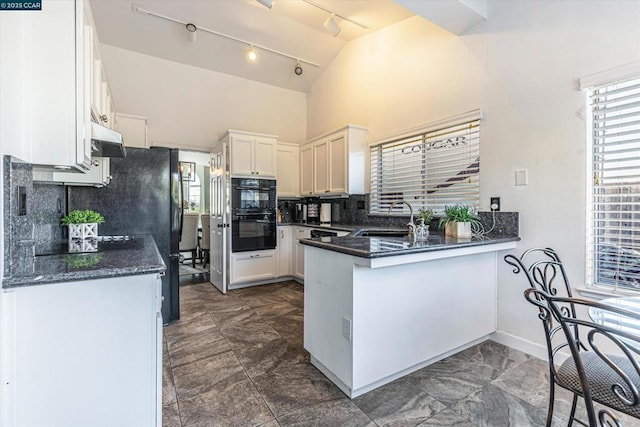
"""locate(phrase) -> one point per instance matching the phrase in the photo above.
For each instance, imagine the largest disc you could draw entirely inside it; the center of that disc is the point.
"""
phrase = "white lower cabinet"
(85, 353)
(252, 266)
(298, 250)
(284, 251)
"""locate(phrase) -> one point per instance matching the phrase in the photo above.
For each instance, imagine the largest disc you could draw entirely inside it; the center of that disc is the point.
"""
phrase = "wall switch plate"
(495, 204)
(22, 200)
(522, 177)
(346, 328)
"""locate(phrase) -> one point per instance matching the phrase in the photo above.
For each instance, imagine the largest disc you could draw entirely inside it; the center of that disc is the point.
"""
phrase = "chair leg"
(193, 258)
(551, 402)
(574, 405)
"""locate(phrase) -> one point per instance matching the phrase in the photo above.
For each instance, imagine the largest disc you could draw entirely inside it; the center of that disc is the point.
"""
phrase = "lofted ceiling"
(294, 27)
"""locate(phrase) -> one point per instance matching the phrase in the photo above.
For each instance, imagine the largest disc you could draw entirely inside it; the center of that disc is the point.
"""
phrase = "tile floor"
(238, 360)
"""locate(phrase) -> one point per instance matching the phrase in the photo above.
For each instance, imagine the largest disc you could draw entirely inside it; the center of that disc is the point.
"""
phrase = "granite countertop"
(337, 227)
(376, 247)
(139, 256)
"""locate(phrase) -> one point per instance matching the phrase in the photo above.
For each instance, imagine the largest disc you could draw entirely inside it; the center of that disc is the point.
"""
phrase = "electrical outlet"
(346, 328)
(495, 203)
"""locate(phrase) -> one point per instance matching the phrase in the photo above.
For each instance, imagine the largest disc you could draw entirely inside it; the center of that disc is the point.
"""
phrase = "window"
(613, 222)
(431, 168)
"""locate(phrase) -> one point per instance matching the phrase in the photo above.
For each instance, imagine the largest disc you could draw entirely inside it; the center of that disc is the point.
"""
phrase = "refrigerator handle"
(181, 198)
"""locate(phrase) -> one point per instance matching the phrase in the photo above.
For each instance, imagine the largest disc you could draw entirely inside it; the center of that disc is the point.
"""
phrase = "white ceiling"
(291, 26)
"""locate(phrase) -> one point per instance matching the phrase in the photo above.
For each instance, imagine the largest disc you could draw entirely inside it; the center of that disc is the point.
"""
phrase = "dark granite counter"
(138, 256)
(376, 247)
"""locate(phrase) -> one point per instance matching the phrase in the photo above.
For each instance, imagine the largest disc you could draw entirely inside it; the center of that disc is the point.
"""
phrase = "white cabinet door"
(241, 155)
(338, 164)
(98, 176)
(321, 167)
(288, 176)
(264, 157)
(252, 266)
(285, 239)
(306, 170)
(94, 343)
(298, 250)
(133, 130)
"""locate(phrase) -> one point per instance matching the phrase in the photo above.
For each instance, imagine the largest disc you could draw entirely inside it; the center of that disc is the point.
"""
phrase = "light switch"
(522, 177)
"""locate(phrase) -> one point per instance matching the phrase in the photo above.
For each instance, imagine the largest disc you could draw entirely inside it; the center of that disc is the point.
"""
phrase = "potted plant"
(457, 221)
(83, 224)
(424, 219)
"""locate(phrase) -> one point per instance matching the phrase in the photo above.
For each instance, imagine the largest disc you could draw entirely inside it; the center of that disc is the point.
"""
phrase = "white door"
(219, 201)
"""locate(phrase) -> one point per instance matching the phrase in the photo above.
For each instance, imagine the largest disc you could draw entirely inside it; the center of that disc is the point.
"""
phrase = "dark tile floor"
(238, 360)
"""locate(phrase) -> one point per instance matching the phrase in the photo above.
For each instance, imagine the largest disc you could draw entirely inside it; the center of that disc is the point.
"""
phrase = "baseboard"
(531, 348)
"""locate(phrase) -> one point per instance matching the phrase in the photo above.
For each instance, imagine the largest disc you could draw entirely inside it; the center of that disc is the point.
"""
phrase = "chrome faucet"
(411, 225)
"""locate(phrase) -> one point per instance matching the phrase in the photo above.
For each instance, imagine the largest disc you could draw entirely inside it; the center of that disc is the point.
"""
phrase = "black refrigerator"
(143, 197)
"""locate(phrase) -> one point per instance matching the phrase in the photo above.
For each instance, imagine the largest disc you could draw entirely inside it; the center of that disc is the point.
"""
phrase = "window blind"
(430, 170)
(613, 226)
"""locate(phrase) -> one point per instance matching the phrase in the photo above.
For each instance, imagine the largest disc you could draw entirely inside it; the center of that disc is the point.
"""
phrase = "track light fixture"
(252, 55)
(266, 3)
(252, 52)
(332, 26)
(298, 69)
(191, 34)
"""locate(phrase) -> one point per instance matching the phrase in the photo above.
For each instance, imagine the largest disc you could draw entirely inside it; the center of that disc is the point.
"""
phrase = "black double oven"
(253, 216)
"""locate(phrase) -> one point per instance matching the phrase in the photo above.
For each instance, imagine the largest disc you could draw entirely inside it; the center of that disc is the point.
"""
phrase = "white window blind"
(613, 227)
(430, 169)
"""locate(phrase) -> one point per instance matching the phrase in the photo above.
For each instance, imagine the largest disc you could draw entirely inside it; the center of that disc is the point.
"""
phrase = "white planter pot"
(459, 230)
(83, 231)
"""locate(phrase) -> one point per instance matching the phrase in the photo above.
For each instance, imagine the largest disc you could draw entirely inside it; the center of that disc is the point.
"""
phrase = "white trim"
(599, 293)
(529, 347)
(324, 135)
(131, 116)
(611, 75)
(469, 116)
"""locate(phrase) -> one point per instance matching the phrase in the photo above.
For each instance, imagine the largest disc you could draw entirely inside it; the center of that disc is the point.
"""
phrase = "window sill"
(603, 293)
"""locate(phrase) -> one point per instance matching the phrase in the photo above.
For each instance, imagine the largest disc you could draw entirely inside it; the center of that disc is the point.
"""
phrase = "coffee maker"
(298, 213)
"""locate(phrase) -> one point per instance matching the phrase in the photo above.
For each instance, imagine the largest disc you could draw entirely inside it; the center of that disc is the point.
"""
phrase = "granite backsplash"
(36, 226)
(353, 210)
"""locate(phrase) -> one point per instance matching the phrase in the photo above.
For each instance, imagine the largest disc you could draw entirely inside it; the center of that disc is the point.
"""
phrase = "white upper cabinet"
(252, 155)
(306, 170)
(334, 163)
(46, 68)
(288, 177)
(133, 130)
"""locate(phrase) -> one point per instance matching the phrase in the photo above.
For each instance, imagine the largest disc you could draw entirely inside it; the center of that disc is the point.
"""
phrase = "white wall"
(192, 107)
(522, 68)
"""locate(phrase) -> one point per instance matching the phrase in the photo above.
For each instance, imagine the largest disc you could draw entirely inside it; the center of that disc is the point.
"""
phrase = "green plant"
(82, 260)
(425, 215)
(457, 213)
(82, 217)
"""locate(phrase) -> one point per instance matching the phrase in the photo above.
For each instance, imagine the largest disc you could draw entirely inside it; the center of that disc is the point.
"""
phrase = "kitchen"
(521, 66)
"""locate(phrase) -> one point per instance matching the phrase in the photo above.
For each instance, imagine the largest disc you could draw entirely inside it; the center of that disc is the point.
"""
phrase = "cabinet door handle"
(257, 173)
(104, 118)
(219, 225)
(326, 191)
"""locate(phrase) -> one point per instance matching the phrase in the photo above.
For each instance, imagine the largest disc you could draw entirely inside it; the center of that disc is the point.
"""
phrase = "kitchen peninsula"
(378, 308)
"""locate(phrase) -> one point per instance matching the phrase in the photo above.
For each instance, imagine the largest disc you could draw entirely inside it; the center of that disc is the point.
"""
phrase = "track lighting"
(191, 34)
(252, 51)
(252, 55)
(298, 69)
(331, 26)
(266, 3)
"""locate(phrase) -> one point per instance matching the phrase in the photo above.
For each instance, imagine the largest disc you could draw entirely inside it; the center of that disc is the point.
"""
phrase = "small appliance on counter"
(313, 213)
(297, 213)
(325, 213)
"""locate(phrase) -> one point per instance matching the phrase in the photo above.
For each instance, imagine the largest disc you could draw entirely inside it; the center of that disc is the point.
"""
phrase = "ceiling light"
(298, 69)
(266, 3)
(252, 55)
(333, 15)
(331, 26)
(191, 31)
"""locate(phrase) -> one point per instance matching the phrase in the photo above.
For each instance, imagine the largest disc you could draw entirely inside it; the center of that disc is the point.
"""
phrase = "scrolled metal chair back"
(606, 361)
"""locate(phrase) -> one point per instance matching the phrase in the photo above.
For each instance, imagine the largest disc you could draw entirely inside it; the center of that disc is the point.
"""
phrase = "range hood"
(106, 142)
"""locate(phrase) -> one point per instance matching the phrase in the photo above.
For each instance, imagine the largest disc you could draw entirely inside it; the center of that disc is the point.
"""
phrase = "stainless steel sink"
(380, 233)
